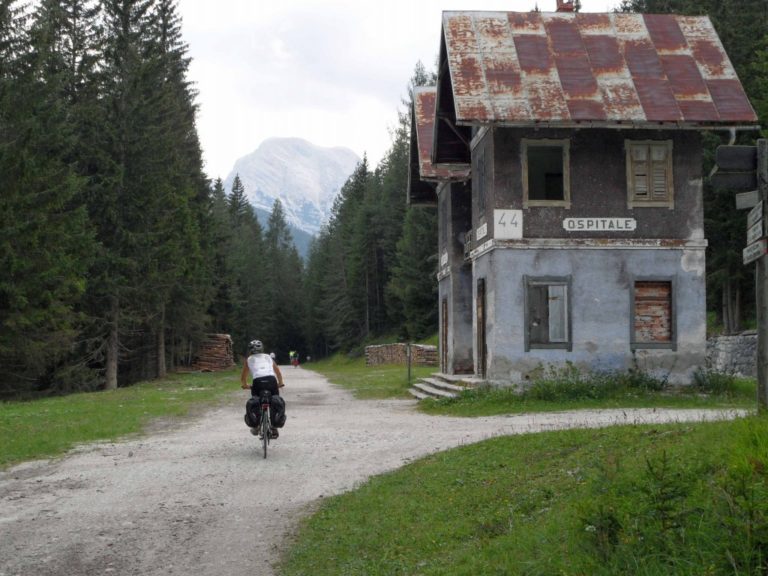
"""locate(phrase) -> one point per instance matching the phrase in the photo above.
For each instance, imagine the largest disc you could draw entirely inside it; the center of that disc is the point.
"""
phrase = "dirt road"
(199, 499)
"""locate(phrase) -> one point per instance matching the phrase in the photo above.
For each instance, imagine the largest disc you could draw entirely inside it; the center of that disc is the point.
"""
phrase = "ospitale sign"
(599, 224)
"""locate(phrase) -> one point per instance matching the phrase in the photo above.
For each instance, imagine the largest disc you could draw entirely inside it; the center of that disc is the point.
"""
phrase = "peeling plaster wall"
(455, 277)
(600, 309)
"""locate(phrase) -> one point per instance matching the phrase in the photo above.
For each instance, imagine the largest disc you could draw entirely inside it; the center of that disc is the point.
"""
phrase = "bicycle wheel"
(265, 430)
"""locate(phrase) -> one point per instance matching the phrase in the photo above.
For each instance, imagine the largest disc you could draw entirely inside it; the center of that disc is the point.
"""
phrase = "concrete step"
(432, 391)
(440, 385)
(465, 380)
(418, 394)
(437, 382)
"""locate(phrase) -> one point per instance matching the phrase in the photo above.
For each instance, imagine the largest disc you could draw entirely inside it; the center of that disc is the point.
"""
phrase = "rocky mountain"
(305, 177)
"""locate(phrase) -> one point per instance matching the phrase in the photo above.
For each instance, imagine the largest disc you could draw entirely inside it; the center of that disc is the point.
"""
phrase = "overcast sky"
(330, 71)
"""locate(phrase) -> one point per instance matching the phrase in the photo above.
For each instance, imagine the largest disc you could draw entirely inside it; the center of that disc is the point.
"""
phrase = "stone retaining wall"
(421, 354)
(735, 354)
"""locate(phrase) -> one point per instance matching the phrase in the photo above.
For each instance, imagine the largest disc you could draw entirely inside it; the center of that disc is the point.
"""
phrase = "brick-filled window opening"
(652, 315)
(546, 167)
(548, 313)
(649, 174)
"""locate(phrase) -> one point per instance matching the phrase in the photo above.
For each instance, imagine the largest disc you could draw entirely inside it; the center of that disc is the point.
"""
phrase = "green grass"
(567, 389)
(50, 427)
(374, 382)
(642, 500)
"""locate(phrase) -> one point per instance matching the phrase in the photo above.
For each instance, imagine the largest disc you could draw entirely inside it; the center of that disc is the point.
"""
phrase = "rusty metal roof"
(424, 126)
(563, 69)
(422, 174)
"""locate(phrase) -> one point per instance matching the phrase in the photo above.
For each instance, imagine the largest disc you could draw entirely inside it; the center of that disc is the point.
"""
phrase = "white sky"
(330, 71)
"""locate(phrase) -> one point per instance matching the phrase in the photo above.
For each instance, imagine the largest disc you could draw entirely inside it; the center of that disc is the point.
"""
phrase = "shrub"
(711, 381)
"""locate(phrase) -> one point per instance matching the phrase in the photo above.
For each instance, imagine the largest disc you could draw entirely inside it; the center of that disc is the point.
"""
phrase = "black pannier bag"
(253, 412)
(277, 411)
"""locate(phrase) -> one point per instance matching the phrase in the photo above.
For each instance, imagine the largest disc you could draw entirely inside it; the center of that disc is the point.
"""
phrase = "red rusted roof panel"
(564, 34)
(533, 53)
(604, 54)
(642, 59)
(576, 75)
(424, 109)
(657, 100)
(703, 109)
(530, 67)
(664, 32)
(586, 110)
(684, 76)
(729, 98)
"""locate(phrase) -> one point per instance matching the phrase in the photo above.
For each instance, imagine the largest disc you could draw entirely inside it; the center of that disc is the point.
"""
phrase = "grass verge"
(568, 389)
(642, 500)
(51, 426)
(374, 382)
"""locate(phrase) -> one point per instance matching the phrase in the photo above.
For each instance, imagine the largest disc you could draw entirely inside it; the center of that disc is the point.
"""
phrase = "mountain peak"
(305, 178)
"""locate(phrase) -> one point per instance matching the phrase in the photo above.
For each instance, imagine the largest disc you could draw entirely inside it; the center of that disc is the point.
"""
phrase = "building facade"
(565, 155)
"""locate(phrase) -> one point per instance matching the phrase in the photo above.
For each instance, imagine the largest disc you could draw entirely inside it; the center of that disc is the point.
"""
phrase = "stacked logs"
(421, 355)
(214, 353)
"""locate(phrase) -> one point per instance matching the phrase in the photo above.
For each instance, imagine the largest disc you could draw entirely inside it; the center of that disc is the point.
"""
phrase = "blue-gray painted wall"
(600, 306)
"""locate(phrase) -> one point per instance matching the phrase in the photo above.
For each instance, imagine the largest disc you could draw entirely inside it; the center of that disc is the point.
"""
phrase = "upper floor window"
(649, 173)
(546, 173)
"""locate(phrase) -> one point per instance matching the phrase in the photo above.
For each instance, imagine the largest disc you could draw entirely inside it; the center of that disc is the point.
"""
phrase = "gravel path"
(200, 500)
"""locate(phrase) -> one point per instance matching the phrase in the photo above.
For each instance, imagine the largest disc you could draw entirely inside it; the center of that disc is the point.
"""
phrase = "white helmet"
(255, 347)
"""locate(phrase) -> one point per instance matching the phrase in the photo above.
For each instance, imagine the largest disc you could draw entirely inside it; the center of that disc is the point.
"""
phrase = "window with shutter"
(649, 173)
(547, 313)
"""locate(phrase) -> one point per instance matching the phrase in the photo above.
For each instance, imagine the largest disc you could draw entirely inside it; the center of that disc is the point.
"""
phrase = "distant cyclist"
(265, 375)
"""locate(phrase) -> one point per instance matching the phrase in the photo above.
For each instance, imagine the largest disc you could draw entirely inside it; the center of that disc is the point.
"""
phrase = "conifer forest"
(118, 254)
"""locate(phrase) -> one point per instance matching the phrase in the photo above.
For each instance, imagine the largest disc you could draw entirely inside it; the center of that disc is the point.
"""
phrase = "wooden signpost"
(740, 169)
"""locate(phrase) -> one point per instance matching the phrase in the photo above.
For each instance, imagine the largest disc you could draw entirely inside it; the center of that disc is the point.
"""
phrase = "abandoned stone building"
(564, 154)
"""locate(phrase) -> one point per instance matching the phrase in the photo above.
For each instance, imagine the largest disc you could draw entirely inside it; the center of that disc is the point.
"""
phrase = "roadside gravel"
(200, 500)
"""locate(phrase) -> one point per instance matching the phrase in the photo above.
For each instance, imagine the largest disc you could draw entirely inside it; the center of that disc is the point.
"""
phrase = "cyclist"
(265, 375)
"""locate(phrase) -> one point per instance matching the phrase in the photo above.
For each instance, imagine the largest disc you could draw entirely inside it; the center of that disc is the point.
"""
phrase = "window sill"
(552, 346)
(633, 205)
(547, 204)
(653, 346)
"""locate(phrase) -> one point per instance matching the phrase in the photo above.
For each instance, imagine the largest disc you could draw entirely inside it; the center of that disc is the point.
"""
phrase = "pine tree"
(45, 241)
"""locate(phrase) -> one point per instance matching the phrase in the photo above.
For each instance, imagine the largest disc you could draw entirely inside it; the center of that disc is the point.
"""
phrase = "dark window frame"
(565, 145)
(642, 345)
(531, 281)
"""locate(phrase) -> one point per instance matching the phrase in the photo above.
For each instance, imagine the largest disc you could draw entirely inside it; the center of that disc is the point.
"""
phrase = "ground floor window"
(653, 323)
(547, 313)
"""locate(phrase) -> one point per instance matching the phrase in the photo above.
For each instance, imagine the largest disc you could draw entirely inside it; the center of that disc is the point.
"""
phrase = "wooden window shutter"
(639, 157)
(649, 173)
(659, 184)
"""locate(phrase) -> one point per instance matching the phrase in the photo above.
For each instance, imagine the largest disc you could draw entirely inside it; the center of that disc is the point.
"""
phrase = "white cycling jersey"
(260, 365)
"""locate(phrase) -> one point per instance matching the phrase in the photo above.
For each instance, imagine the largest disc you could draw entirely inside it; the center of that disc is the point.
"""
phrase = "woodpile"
(421, 354)
(214, 353)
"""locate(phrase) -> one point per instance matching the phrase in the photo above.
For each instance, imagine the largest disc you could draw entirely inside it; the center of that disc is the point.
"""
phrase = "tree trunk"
(161, 368)
(731, 307)
(112, 346)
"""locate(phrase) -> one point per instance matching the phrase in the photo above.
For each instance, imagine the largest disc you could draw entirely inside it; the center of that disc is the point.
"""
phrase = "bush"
(569, 383)
(710, 381)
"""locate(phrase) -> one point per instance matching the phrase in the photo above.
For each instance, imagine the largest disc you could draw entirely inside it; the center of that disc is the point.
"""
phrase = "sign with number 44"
(507, 224)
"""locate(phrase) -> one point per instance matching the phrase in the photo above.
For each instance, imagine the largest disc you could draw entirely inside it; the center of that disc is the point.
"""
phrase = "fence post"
(408, 359)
